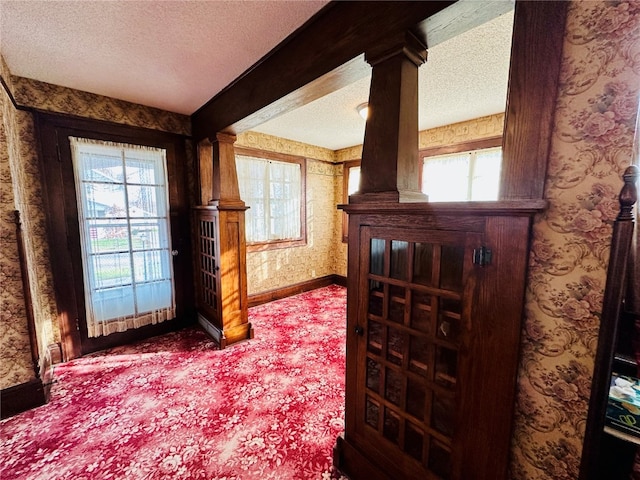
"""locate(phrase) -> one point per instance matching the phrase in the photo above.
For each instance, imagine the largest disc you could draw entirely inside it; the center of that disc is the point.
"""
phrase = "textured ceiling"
(173, 55)
(176, 55)
(464, 77)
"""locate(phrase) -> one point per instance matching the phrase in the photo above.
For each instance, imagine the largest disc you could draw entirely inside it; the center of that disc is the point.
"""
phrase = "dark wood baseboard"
(22, 397)
(278, 293)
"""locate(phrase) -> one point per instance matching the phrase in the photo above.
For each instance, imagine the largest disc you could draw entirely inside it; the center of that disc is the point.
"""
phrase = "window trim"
(281, 157)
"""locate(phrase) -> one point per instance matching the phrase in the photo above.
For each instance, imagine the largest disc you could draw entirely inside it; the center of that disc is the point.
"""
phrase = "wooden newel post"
(221, 248)
(390, 163)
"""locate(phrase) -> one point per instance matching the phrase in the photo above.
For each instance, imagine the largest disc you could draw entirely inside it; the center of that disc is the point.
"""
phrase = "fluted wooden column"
(221, 246)
(390, 163)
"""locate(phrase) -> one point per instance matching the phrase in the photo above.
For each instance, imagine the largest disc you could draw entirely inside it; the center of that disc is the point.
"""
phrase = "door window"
(125, 235)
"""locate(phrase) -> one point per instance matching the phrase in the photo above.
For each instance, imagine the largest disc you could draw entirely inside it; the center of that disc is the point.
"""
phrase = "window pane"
(354, 180)
(472, 175)
(123, 214)
(446, 178)
(272, 190)
(486, 174)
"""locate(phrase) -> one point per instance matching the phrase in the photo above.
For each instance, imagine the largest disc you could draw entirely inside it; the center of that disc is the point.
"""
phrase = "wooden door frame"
(60, 206)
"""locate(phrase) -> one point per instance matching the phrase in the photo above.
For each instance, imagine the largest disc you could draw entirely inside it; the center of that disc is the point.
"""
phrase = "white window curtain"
(272, 191)
(124, 232)
(354, 180)
(485, 176)
(446, 178)
(472, 175)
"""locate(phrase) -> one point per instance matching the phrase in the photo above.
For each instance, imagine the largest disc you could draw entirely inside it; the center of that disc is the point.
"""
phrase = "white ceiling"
(176, 55)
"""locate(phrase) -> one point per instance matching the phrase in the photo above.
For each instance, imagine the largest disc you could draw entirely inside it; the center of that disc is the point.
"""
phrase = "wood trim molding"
(9, 93)
(61, 213)
(22, 397)
(279, 293)
(536, 58)
(461, 147)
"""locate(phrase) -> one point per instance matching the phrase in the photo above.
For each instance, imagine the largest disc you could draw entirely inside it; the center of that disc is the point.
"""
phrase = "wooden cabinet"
(435, 298)
(221, 293)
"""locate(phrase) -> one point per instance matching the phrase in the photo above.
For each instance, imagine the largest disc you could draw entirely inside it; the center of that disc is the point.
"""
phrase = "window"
(464, 176)
(272, 185)
(350, 184)
(124, 234)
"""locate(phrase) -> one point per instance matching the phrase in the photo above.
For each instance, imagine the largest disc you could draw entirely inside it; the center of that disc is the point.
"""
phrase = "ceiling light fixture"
(363, 110)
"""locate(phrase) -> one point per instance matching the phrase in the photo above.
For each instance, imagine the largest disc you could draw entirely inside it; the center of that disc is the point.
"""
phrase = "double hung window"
(274, 191)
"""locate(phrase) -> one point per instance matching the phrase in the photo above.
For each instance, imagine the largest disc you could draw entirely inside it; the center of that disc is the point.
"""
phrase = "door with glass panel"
(125, 236)
(412, 332)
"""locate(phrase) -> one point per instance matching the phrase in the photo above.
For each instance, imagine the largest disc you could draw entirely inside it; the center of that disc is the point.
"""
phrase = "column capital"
(406, 44)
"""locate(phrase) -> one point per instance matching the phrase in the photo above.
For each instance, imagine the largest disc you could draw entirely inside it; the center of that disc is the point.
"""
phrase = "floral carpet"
(176, 407)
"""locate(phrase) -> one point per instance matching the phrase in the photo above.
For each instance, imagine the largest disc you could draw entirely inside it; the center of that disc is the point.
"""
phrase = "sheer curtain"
(446, 179)
(272, 191)
(124, 233)
(472, 175)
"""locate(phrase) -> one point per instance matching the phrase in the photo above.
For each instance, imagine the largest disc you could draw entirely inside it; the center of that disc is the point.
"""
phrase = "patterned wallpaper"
(595, 115)
(15, 352)
(21, 190)
(479, 128)
(591, 147)
(277, 268)
(270, 143)
(54, 98)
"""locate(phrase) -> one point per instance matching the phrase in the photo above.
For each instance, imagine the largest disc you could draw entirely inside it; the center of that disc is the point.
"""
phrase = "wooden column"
(221, 246)
(390, 164)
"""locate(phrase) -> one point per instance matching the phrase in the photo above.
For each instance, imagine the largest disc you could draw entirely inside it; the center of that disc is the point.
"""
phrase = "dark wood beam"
(339, 33)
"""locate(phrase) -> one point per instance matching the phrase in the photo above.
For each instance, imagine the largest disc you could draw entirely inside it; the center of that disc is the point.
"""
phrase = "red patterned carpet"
(175, 407)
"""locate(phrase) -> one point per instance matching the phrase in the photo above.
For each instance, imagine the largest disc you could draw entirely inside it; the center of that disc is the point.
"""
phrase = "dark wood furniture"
(434, 314)
(220, 245)
(608, 453)
(306, 67)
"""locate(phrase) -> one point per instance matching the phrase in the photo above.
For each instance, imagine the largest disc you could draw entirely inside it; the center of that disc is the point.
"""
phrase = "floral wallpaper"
(591, 147)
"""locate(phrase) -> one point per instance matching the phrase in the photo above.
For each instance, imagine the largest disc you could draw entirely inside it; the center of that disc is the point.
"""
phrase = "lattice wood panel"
(413, 336)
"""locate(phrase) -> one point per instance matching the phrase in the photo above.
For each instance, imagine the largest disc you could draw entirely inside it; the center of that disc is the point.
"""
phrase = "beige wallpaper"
(277, 268)
(54, 98)
(15, 353)
(477, 129)
(592, 144)
(269, 143)
(21, 190)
